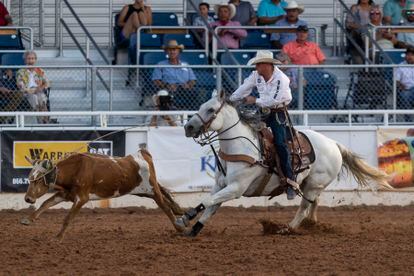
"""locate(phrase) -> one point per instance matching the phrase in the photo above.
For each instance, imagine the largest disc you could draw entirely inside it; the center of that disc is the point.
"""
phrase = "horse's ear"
(214, 94)
(222, 95)
(31, 161)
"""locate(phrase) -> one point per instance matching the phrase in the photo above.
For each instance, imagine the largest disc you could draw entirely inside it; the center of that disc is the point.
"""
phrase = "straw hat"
(231, 7)
(173, 44)
(263, 56)
(293, 5)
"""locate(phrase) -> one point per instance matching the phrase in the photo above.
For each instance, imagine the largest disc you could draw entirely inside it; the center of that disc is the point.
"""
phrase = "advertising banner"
(396, 155)
(181, 164)
(53, 145)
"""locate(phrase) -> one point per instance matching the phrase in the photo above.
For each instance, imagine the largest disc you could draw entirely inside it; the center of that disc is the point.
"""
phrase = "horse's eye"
(211, 110)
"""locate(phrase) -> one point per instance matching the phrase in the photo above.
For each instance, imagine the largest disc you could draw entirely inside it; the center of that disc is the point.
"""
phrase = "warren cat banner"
(54, 145)
(181, 164)
(396, 156)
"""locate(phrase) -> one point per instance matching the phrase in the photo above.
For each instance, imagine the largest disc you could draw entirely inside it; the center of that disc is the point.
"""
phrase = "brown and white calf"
(83, 176)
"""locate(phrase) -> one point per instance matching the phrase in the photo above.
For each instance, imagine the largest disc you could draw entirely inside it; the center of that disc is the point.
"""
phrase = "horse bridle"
(207, 124)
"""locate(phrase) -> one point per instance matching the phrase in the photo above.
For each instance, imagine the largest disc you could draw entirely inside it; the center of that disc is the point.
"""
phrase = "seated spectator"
(405, 81)
(356, 22)
(133, 16)
(270, 11)
(245, 13)
(33, 83)
(302, 51)
(178, 81)
(408, 20)
(5, 18)
(393, 11)
(291, 20)
(163, 101)
(385, 38)
(203, 8)
(228, 37)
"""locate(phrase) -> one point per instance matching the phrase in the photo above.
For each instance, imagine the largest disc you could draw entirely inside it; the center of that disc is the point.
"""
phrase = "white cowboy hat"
(263, 56)
(409, 7)
(293, 5)
(231, 7)
(173, 44)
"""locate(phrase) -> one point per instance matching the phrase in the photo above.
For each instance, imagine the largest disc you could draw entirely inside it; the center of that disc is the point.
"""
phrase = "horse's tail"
(362, 171)
(176, 209)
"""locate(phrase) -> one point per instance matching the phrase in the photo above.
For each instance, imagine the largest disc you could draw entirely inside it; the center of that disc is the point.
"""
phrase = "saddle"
(301, 150)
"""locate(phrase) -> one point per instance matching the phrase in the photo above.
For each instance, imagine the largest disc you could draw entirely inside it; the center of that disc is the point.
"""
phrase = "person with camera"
(163, 101)
(179, 81)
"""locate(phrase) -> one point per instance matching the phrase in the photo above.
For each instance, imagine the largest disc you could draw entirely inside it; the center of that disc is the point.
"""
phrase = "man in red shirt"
(304, 52)
(5, 18)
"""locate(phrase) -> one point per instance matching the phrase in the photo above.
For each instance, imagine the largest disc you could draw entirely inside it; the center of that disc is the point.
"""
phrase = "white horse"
(243, 179)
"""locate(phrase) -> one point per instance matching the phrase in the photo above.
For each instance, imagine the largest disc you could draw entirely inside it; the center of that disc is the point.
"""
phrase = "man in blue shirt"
(291, 20)
(177, 80)
(393, 11)
(270, 11)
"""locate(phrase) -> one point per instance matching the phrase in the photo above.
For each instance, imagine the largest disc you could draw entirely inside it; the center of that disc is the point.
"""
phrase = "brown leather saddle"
(301, 150)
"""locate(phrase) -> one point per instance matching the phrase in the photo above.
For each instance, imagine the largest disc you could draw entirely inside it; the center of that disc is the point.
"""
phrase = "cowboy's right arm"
(245, 89)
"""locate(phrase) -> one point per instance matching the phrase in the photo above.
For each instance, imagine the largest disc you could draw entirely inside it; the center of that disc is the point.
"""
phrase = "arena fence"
(321, 88)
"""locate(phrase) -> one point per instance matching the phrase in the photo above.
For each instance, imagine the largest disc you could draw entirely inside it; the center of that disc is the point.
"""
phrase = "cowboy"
(179, 81)
(293, 10)
(274, 93)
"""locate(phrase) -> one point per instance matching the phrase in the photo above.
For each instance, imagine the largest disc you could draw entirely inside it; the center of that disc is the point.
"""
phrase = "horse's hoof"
(284, 231)
(182, 222)
(25, 221)
(189, 234)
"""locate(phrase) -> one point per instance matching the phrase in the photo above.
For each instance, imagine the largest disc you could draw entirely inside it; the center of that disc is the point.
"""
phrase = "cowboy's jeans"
(278, 127)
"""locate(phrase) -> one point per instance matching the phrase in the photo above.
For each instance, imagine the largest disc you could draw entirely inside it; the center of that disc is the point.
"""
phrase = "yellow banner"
(44, 150)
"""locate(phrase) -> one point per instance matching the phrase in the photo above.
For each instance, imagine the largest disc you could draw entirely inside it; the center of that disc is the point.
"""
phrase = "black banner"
(15, 145)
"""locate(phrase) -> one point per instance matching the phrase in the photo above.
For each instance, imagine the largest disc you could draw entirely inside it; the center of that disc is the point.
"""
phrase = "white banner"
(181, 164)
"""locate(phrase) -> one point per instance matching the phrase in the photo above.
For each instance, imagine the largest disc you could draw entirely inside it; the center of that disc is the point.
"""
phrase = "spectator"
(405, 81)
(356, 21)
(203, 8)
(291, 20)
(302, 51)
(228, 37)
(393, 11)
(132, 17)
(5, 18)
(270, 11)
(163, 101)
(408, 15)
(178, 81)
(245, 13)
(34, 83)
(385, 38)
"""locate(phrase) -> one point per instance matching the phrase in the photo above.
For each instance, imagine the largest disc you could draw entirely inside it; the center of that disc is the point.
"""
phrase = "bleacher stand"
(320, 91)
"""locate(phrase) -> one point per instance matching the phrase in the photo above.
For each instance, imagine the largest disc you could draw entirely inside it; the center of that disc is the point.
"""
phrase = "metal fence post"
(41, 22)
(300, 88)
(335, 31)
(93, 93)
(110, 26)
(21, 13)
(218, 78)
(58, 15)
(60, 29)
(111, 94)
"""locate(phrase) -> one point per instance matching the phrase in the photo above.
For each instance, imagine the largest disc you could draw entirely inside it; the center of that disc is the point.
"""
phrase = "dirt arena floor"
(131, 241)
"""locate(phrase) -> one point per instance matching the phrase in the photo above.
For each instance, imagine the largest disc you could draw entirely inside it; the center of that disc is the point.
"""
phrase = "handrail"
(20, 28)
(90, 37)
(104, 116)
(265, 28)
(391, 27)
(62, 21)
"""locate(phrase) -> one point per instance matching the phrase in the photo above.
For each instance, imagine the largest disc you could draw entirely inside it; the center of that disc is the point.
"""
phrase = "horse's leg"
(52, 201)
(77, 205)
(312, 211)
(239, 184)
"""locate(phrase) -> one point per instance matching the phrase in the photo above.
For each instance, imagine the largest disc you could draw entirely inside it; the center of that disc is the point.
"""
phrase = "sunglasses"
(376, 13)
(409, 12)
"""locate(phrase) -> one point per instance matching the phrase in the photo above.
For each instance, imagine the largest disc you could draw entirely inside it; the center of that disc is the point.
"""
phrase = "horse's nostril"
(190, 127)
(28, 200)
